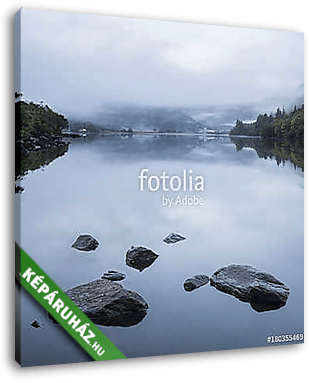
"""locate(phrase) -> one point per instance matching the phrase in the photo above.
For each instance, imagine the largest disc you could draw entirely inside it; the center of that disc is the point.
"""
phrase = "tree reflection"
(280, 150)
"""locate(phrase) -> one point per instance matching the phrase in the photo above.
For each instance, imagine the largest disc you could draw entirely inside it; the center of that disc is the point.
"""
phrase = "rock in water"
(140, 257)
(195, 282)
(113, 275)
(85, 242)
(262, 290)
(173, 238)
(35, 324)
(107, 303)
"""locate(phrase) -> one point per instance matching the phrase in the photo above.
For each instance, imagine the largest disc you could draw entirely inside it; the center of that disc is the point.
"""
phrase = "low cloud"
(77, 62)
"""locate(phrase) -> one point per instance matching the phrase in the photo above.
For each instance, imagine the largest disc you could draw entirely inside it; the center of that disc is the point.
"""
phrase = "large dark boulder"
(140, 257)
(173, 238)
(195, 282)
(85, 242)
(262, 290)
(108, 303)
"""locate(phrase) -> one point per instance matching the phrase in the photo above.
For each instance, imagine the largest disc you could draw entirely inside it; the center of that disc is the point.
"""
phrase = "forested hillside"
(282, 125)
(38, 137)
(37, 126)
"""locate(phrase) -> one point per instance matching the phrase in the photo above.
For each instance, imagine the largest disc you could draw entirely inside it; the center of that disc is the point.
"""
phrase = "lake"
(252, 214)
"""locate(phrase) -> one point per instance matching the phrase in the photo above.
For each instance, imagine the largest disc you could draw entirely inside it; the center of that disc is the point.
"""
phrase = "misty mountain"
(167, 119)
(295, 97)
(221, 117)
(162, 119)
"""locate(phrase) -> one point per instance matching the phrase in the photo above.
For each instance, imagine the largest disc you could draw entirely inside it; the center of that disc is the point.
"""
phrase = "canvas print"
(159, 184)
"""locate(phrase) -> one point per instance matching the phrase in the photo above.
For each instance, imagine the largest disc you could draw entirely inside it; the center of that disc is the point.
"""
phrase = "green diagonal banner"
(64, 311)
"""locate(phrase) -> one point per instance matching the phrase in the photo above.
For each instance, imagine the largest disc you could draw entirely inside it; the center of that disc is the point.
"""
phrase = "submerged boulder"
(108, 303)
(173, 238)
(262, 290)
(195, 282)
(113, 275)
(140, 257)
(85, 242)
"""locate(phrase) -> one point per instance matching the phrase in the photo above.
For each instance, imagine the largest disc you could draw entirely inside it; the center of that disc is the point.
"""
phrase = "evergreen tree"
(283, 126)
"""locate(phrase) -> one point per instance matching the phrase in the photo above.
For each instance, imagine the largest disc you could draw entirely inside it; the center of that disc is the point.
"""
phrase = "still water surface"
(252, 214)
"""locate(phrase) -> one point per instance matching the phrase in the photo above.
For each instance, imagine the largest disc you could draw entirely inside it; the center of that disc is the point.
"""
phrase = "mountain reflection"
(194, 148)
(201, 148)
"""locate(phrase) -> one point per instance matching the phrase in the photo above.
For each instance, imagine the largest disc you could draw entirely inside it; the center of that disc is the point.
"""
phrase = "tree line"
(34, 121)
(38, 137)
(282, 125)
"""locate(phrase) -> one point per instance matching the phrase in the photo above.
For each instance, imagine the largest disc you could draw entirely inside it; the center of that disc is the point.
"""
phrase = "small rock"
(35, 324)
(140, 257)
(113, 275)
(85, 242)
(173, 238)
(195, 282)
(262, 290)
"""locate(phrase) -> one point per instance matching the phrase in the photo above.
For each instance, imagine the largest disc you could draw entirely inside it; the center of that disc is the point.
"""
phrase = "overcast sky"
(78, 62)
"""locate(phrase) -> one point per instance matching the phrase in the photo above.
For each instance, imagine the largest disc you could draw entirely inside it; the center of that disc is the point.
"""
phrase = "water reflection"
(33, 160)
(134, 147)
(281, 151)
(252, 213)
(261, 306)
(171, 146)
